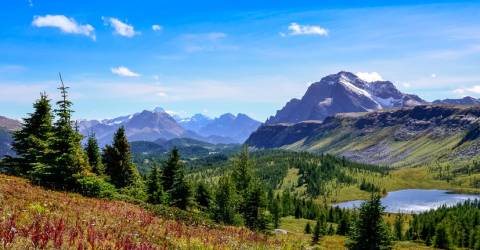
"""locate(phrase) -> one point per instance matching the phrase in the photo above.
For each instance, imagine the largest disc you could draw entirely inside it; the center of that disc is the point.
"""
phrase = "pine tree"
(225, 202)
(203, 196)
(318, 230)
(276, 211)
(370, 232)
(442, 238)
(344, 225)
(255, 205)
(242, 171)
(170, 169)
(117, 160)
(155, 192)
(174, 182)
(31, 142)
(94, 156)
(68, 157)
(308, 228)
(398, 227)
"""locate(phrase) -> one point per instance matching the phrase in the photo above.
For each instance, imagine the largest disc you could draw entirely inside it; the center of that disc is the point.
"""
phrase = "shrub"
(94, 186)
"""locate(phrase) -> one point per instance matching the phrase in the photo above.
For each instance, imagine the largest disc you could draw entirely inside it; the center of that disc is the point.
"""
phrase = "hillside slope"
(409, 136)
(31, 217)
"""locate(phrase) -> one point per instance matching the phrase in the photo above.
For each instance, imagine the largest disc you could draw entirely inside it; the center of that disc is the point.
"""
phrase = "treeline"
(448, 227)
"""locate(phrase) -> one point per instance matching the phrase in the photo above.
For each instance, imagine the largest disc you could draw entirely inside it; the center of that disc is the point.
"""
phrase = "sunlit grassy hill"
(34, 218)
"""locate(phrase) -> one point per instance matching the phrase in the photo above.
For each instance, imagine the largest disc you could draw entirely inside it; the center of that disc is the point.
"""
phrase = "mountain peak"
(342, 92)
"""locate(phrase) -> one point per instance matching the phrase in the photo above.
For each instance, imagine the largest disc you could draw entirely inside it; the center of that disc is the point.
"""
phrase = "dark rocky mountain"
(340, 93)
(227, 128)
(143, 126)
(467, 100)
(397, 137)
(7, 126)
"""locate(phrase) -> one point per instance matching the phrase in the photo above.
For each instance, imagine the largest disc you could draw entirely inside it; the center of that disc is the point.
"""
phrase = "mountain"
(468, 100)
(143, 126)
(7, 126)
(227, 128)
(340, 93)
(398, 137)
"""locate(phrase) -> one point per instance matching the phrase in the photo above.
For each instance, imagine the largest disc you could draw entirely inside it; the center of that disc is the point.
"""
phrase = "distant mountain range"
(341, 93)
(237, 128)
(468, 100)
(398, 137)
(7, 126)
(159, 125)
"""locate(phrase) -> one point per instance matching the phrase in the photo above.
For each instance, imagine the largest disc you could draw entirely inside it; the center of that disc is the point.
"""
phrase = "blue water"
(415, 200)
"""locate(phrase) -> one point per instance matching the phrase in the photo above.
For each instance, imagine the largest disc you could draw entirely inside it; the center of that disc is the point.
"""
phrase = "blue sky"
(213, 57)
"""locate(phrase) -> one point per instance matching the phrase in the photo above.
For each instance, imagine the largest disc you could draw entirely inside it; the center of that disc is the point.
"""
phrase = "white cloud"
(121, 28)
(472, 90)
(433, 75)
(65, 24)
(211, 41)
(156, 27)
(297, 29)
(124, 71)
(369, 76)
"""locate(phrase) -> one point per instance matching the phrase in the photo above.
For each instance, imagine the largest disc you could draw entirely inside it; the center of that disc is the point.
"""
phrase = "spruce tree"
(203, 196)
(170, 169)
(225, 202)
(308, 228)
(155, 192)
(31, 142)
(398, 227)
(67, 155)
(344, 225)
(255, 205)
(370, 232)
(442, 238)
(117, 160)
(242, 170)
(318, 230)
(276, 211)
(181, 193)
(94, 156)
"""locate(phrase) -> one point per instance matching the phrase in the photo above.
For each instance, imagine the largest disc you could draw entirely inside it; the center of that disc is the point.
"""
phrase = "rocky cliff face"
(407, 136)
(340, 93)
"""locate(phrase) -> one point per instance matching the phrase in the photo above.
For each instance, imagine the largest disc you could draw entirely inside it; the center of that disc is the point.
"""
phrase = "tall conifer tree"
(94, 156)
(117, 160)
(31, 141)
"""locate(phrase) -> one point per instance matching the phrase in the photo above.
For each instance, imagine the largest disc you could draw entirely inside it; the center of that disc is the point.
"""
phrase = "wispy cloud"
(369, 76)
(465, 91)
(295, 29)
(65, 24)
(156, 27)
(124, 71)
(120, 28)
(206, 42)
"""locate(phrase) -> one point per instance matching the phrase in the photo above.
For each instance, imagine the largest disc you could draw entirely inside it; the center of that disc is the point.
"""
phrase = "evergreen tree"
(242, 171)
(318, 230)
(225, 202)
(276, 211)
(170, 169)
(344, 226)
(155, 192)
(203, 196)
(94, 156)
(255, 205)
(117, 160)
(174, 182)
(31, 142)
(308, 228)
(398, 227)
(370, 232)
(442, 238)
(67, 155)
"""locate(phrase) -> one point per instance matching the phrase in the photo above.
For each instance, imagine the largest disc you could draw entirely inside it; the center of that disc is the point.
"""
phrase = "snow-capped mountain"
(467, 100)
(142, 126)
(341, 93)
(226, 128)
